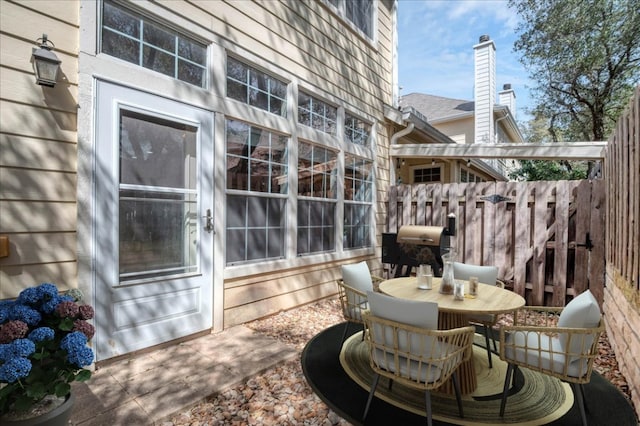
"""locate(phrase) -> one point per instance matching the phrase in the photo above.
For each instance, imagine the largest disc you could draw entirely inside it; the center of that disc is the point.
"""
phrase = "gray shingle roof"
(436, 107)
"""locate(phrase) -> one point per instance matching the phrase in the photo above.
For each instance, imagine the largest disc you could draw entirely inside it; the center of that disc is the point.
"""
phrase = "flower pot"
(59, 416)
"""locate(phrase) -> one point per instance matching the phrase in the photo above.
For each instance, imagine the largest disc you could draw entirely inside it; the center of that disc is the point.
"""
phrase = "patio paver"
(146, 389)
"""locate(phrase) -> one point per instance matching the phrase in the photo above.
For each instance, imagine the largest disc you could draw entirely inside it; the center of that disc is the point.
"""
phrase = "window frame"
(414, 169)
(249, 67)
(142, 19)
(340, 10)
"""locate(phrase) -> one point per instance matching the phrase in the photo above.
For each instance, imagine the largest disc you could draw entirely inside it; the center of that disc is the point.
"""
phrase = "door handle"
(208, 221)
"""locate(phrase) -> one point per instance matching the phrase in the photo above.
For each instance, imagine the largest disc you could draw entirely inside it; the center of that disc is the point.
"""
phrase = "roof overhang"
(510, 124)
(545, 151)
(421, 127)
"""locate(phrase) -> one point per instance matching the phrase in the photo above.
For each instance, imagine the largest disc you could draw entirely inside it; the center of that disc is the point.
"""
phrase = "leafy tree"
(584, 56)
(530, 170)
(537, 131)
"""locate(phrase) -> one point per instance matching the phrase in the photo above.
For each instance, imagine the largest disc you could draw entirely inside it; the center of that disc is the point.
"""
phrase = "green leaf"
(83, 375)
(62, 389)
(66, 324)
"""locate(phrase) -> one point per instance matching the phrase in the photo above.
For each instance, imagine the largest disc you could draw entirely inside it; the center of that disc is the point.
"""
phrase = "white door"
(153, 230)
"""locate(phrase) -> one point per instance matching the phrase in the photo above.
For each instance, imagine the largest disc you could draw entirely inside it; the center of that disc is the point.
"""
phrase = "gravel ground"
(281, 395)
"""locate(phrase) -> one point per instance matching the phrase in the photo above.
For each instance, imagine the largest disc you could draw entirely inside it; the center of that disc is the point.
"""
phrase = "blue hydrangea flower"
(29, 296)
(4, 355)
(25, 314)
(66, 298)
(14, 369)
(81, 356)
(50, 305)
(41, 333)
(73, 341)
(47, 290)
(21, 348)
(5, 309)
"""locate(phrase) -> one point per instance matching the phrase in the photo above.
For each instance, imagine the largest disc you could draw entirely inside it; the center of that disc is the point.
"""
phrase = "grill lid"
(423, 235)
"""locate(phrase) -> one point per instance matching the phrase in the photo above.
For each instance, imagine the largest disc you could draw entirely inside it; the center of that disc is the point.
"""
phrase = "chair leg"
(486, 342)
(493, 338)
(371, 393)
(427, 400)
(456, 387)
(578, 393)
(505, 391)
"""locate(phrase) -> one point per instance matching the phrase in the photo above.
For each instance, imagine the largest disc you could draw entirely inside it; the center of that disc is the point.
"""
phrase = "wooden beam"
(547, 151)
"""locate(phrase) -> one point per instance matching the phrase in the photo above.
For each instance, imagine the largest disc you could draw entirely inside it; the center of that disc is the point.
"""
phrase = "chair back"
(406, 346)
(485, 274)
(564, 346)
(352, 290)
(352, 302)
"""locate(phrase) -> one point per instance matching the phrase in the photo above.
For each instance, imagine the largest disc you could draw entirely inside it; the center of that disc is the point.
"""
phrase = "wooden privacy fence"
(547, 238)
(622, 174)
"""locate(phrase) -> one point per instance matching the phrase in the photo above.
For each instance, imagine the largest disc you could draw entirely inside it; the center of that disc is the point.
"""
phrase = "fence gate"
(547, 238)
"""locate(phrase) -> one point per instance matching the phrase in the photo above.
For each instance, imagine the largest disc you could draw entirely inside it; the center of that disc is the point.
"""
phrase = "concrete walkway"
(146, 389)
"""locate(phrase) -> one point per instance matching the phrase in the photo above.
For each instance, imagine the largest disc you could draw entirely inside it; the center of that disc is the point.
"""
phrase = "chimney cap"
(484, 37)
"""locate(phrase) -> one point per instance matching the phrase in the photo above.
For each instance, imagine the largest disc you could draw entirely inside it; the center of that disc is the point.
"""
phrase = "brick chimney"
(507, 97)
(485, 89)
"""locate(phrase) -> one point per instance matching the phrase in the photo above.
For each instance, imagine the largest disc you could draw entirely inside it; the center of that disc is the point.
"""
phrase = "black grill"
(414, 245)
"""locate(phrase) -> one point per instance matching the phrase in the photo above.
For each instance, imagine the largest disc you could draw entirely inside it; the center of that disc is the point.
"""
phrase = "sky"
(435, 48)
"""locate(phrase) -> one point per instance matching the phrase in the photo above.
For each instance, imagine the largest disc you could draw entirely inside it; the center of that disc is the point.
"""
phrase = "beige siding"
(38, 148)
(306, 40)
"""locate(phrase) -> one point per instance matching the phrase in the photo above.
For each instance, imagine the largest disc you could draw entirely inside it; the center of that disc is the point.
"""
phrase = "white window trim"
(340, 12)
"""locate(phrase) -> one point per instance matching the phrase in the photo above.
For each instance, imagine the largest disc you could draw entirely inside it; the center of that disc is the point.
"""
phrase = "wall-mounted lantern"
(46, 63)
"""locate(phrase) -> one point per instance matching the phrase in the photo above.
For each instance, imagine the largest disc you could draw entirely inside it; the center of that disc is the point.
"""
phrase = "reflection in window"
(358, 200)
(136, 39)
(356, 131)
(256, 178)
(358, 182)
(316, 171)
(316, 204)
(360, 13)
(317, 114)
(256, 159)
(255, 88)
(158, 220)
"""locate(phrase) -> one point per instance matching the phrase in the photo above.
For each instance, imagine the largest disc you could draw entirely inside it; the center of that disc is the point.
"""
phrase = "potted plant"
(44, 339)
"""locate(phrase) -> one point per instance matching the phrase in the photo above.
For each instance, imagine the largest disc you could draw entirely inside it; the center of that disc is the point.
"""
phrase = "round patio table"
(455, 313)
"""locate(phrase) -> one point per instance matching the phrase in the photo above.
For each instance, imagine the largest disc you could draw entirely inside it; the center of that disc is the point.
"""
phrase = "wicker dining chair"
(559, 342)
(486, 275)
(352, 292)
(406, 347)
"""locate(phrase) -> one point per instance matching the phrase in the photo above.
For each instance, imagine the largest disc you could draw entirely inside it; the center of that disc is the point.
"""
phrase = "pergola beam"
(546, 151)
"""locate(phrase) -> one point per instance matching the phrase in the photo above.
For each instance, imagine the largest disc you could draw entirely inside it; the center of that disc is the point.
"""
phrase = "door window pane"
(158, 220)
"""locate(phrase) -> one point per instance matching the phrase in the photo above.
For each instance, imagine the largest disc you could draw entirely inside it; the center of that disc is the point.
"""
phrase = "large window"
(256, 88)
(358, 198)
(315, 113)
(360, 13)
(256, 181)
(136, 39)
(317, 170)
